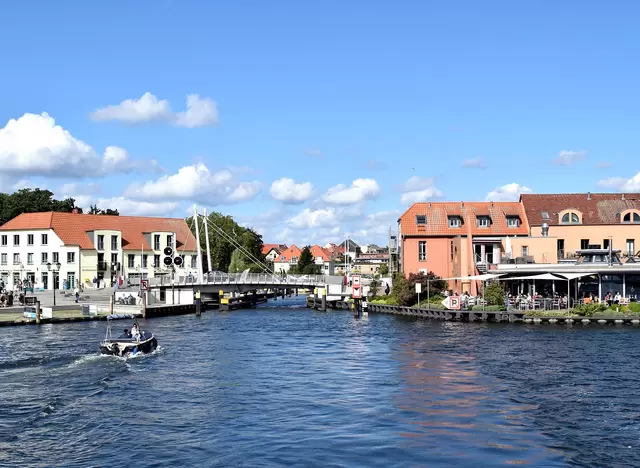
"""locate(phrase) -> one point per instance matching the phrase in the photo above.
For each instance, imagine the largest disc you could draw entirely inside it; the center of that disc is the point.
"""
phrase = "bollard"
(144, 304)
(38, 312)
(198, 304)
(111, 305)
(324, 300)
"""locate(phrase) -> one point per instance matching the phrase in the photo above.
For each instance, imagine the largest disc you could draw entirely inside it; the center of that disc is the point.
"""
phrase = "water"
(291, 387)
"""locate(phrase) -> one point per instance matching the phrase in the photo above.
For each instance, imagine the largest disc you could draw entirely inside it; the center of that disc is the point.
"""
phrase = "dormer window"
(513, 221)
(455, 221)
(570, 218)
(631, 217)
(421, 220)
(545, 215)
(483, 221)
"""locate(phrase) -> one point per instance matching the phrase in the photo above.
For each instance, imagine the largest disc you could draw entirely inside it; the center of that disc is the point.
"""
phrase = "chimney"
(75, 211)
(545, 230)
(461, 204)
(622, 196)
(588, 195)
(429, 204)
(491, 204)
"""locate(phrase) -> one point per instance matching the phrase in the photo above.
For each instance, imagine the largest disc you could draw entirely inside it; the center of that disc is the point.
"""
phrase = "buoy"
(553, 320)
(527, 320)
(586, 321)
(568, 320)
(537, 320)
(602, 322)
(635, 321)
(619, 321)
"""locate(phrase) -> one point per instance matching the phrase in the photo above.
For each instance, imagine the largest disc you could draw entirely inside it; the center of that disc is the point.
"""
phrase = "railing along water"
(238, 278)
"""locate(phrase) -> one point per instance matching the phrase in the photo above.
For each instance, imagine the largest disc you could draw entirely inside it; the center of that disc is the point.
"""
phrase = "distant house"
(370, 263)
(324, 259)
(286, 259)
(271, 251)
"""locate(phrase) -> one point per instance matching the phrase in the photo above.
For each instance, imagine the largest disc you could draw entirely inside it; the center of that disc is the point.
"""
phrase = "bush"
(386, 300)
(489, 308)
(494, 294)
(587, 310)
(634, 307)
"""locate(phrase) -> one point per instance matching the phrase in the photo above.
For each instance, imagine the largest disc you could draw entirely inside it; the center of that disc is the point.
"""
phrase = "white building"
(53, 250)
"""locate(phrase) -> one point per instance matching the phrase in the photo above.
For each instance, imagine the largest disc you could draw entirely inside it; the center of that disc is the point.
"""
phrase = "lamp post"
(54, 268)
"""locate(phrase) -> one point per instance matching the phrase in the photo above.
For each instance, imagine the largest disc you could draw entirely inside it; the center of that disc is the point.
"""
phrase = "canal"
(286, 386)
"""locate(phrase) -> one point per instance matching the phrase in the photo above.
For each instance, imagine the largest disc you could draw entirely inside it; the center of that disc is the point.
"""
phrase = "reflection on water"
(285, 386)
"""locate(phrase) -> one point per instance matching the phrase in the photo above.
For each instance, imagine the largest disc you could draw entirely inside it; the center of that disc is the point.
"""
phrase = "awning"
(571, 276)
(542, 276)
(485, 277)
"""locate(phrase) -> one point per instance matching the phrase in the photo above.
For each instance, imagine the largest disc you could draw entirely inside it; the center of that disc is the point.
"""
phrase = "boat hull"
(128, 347)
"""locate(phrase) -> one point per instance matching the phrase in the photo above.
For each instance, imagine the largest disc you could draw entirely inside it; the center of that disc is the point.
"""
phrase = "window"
(560, 245)
(545, 215)
(483, 221)
(145, 261)
(156, 242)
(422, 251)
(183, 259)
(631, 217)
(29, 239)
(16, 239)
(294, 259)
(605, 243)
(71, 257)
(3, 259)
(131, 261)
(170, 241)
(584, 243)
(452, 251)
(114, 242)
(421, 220)
(156, 261)
(44, 257)
(454, 222)
(631, 246)
(525, 251)
(194, 261)
(513, 221)
(29, 259)
(4, 240)
(570, 218)
(44, 239)
(100, 242)
(114, 258)
(56, 258)
(16, 259)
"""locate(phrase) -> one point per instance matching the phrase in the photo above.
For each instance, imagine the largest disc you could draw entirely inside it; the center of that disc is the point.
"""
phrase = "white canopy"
(542, 276)
(571, 276)
(485, 277)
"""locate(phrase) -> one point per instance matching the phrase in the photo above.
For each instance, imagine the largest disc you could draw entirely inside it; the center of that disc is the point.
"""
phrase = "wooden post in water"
(198, 304)
(324, 300)
(144, 304)
(38, 312)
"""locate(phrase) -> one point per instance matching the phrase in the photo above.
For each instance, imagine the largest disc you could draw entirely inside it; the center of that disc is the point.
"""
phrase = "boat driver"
(135, 333)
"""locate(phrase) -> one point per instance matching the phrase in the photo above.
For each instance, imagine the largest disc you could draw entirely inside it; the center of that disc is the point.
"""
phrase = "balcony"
(102, 266)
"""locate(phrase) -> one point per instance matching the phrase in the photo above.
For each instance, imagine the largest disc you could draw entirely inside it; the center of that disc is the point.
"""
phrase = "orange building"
(457, 239)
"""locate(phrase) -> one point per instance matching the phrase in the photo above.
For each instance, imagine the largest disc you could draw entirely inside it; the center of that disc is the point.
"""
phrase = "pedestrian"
(77, 292)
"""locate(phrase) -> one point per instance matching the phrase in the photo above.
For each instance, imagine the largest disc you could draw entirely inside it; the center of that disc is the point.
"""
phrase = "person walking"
(77, 293)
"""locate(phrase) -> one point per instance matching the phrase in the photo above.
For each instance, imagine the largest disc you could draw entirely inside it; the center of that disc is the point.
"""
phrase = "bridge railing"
(240, 279)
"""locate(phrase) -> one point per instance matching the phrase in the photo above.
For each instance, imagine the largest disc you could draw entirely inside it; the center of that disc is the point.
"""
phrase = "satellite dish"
(168, 251)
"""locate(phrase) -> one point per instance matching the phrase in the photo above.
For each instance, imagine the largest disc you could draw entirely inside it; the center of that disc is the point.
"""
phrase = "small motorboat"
(129, 343)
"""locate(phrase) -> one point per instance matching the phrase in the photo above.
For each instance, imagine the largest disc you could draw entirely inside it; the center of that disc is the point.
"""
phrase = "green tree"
(93, 209)
(237, 264)
(494, 293)
(383, 270)
(306, 263)
(32, 201)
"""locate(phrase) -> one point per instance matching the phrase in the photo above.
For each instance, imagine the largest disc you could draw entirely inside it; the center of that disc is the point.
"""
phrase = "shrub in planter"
(634, 307)
(587, 310)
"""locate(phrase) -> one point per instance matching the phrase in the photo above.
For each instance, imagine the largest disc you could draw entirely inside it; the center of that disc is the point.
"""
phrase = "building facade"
(54, 250)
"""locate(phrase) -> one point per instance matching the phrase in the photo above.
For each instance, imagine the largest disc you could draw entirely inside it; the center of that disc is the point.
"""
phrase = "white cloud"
(198, 183)
(508, 192)
(566, 157)
(418, 189)
(603, 164)
(621, 184)
(128, 207)
(287, 191)
(321, 218)
(34, 145)
(200, 112)
(477, 163)
(359, 191)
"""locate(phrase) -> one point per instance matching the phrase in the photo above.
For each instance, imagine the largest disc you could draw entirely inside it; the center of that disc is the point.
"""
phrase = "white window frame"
(422, 251)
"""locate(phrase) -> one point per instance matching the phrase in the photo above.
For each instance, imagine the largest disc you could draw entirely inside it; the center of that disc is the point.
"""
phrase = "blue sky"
(365, 106)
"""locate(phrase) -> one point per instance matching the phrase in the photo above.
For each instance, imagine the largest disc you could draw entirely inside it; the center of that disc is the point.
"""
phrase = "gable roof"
(288, 254)
(72, 228)
(437, 214)
(596, 208)
(318, 251)
(266, 248)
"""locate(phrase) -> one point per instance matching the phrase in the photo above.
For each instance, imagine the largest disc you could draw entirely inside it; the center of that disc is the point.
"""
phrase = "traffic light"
(177, 261)
(169, 259)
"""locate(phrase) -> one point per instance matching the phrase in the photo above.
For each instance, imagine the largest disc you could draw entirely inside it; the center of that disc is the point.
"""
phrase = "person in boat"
(126, 334)
(135, 333)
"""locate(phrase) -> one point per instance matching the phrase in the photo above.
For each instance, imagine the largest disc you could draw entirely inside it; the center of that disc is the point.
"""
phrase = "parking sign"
(144, 285)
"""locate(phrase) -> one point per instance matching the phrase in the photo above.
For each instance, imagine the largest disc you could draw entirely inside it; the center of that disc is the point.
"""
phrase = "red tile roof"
(596, 208)
(438, 224)
(318, 251)
(266, 248)
(72, 228)
(288, 254)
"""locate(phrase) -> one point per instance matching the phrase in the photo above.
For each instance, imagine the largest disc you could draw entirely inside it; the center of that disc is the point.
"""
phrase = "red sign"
(144, 285)
(355, 281)
(356, 293)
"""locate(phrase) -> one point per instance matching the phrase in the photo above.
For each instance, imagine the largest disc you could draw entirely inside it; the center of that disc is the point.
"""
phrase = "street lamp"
(55, 268)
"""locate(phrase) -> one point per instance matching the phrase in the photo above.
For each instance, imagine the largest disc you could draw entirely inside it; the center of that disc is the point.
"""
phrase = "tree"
(306, 263)
(93, 209)
(222, 231)
(494, 293)
(383, 270)
(32, 201)
(237, 264)
(433, 282)
(404, 289)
